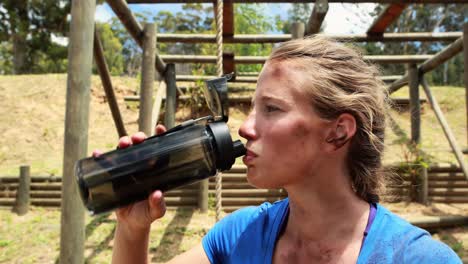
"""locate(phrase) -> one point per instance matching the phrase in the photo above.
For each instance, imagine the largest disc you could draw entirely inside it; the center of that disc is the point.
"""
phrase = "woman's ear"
(342, 131)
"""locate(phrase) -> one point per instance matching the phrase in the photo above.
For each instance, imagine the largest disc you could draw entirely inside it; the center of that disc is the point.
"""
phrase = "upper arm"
(195, 255)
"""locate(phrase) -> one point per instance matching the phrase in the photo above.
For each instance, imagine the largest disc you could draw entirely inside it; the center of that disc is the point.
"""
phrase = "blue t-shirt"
(249, 235)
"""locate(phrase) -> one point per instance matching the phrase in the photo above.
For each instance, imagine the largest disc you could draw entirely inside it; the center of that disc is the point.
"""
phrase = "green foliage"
(421, 18)
(299, 12)
(196, 101)
(112, 48)
(131, 53)
(29, 27)
(251, 19)
(6, 58)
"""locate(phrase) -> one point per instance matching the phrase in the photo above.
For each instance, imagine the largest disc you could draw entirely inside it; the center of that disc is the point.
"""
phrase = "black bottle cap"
(226, 150)
(239, 149)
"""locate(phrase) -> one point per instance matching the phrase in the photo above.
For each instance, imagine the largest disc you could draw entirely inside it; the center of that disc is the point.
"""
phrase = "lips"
(249, 157)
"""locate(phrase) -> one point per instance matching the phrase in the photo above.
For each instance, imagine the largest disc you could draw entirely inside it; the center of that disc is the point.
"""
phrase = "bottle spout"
(239, 149)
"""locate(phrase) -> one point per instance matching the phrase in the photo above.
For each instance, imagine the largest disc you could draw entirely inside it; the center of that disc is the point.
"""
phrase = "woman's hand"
(138, 217)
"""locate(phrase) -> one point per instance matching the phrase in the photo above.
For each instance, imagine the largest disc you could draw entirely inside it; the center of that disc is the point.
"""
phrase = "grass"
(433, 141)
(35, 237)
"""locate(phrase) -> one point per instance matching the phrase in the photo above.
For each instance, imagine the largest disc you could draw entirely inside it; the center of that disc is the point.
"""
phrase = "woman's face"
(286, 139)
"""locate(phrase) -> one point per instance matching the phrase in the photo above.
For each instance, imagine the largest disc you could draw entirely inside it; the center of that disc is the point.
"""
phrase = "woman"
(316, 129)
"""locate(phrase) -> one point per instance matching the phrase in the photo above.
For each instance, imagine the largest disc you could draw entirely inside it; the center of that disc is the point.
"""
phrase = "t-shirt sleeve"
(424, 249)
(222, 238)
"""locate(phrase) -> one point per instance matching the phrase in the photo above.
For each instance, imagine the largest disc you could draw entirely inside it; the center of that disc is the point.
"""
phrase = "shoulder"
(394, 239)
(425, 249)
(222, 239)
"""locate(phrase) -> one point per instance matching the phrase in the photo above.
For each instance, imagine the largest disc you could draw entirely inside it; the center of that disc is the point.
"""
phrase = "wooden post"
(465, 56)
(420, 176)
(160, 94)
(171, 92)
(22, 193)
(297, 30)
(80, 57)
(147, 79)
(415, 106)
(107, 84)
(203, 196)
(228, 63)
(228, 18)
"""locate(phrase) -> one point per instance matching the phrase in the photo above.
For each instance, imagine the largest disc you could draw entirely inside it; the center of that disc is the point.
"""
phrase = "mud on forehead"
(288, 71)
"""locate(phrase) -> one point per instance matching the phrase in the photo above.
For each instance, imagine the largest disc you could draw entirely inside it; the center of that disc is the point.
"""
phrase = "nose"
(247, 129)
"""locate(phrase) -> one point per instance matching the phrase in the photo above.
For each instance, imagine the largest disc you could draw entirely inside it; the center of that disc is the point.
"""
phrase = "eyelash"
(270, 108)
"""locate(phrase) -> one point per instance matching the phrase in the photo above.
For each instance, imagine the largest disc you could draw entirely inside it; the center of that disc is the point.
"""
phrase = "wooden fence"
(446, 185)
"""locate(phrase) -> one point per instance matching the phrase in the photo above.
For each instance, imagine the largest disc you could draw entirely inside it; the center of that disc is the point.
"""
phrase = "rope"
(219, 37)
(219, 70)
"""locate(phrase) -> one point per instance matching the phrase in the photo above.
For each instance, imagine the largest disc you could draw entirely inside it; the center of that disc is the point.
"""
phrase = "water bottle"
(191, 151)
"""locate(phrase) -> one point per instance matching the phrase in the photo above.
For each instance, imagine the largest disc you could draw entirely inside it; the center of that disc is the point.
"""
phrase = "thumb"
(157, 206)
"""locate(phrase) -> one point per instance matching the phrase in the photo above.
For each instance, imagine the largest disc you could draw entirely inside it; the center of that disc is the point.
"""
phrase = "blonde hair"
(342, 82)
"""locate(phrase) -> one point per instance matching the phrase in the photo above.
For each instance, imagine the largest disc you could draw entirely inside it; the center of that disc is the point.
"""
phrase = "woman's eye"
(271, 108)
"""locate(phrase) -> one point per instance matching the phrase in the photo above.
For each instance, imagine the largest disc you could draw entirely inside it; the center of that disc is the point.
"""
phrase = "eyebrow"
(267, 98)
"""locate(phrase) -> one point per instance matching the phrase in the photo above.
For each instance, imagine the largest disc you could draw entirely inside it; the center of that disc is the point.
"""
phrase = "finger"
(157, 205)
(97, 153)
(138, 137)
(125, 142)
(159, 129)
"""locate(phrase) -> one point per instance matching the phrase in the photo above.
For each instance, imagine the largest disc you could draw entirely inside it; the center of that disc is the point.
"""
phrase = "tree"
(299, 12)
(29, 26)
(251, 19)
(420, 18)
(112, 48)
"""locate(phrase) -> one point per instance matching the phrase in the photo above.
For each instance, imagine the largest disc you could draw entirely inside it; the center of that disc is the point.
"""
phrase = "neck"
(320, 203)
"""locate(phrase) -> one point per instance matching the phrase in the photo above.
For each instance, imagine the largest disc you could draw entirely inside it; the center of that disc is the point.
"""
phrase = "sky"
(340, 19)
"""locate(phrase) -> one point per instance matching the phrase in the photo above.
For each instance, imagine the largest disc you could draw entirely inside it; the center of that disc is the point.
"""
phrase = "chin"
(261, 180)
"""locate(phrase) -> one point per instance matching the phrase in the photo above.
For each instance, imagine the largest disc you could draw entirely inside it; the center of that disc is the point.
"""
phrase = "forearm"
(130, 246)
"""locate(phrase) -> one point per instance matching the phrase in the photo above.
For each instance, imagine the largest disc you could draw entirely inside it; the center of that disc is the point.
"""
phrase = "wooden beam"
(446, 128)
(253, 78)
(465, 74)
(171, 92)
(249, 38)
(261, 59)
(439, 58)
(103, 71)
(80, 60)
(442, 56)
(127, 18)
(147, 79)
(385, 19)
(316, 18)
(302, 1)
